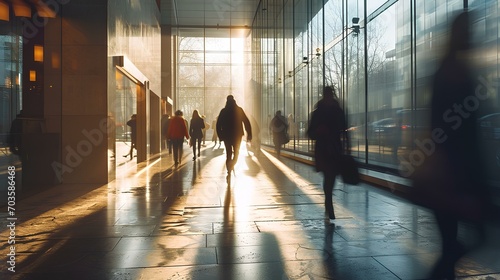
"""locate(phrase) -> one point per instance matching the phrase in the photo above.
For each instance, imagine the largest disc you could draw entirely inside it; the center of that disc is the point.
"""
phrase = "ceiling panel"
(223, 13)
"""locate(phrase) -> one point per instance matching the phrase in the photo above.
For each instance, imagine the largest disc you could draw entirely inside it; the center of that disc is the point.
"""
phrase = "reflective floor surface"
(158, 221)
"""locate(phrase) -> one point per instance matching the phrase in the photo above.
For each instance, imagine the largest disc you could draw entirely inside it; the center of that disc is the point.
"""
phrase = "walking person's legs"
(131, 152)
(199, 147)
(451, 249)
(229, 156)
(176, 147)
(328, 183)
(194, 142)
(181, 149)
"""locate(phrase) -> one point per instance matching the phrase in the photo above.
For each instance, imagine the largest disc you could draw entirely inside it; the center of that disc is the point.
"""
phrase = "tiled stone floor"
(161, 222)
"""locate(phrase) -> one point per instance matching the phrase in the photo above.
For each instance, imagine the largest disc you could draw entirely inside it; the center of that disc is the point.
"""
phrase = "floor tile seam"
(252, 245)
(65, 238)
(376, 239)
(276, 205)
(386, 268)
(300, 220)
(415, 232)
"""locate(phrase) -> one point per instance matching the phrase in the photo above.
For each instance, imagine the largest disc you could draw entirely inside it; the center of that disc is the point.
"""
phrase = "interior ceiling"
(209, 13)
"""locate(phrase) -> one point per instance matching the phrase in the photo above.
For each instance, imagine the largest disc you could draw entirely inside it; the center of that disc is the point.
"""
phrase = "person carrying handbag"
(328, 127)
(279, 127)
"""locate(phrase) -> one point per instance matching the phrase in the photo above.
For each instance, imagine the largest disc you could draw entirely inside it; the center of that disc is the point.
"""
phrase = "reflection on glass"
(385, 94)
(10, 104)
(125, 107)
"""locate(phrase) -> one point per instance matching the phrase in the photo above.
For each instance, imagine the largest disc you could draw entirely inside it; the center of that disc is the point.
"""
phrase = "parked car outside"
(382, 132)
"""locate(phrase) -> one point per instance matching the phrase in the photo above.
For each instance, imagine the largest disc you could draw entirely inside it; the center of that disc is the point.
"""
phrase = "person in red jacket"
(176, 132)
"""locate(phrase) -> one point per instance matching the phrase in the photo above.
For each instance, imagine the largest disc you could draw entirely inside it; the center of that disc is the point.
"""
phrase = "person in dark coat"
(165, 121)
(279, 128)
(15, 136)
(328, 128)
(196, 127)
(229, 128)
(133, 135)
(455, 164)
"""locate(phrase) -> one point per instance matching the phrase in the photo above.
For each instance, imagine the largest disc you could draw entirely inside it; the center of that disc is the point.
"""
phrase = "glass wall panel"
(372, 5)
(403, 83)
(217, 58)
(315, 53)
(270, 79)
(301, 80)
(334, 38)
(352, 78)
(191, 39)
(11, 74)
(486, 27)
(11, 71)
(281, 99)
(217, 76)
(288, 68)
(383, 98)
(191, 75)
(192, 99)
(221, 43)
(125, 106)
(191, 57)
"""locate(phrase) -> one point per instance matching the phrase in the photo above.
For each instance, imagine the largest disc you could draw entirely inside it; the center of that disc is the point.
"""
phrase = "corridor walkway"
(162, 222)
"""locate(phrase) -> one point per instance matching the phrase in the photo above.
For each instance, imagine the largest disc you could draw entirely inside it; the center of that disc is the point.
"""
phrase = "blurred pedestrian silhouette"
(15, 136)
(196, 128)
(165, 121)
(279, 128)
(229, 127)
(215, 137)
(451, 181)
(292, 126)
(254, 146)
(177, 130)
(133, 135)
(328, 128)
(207, 126)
